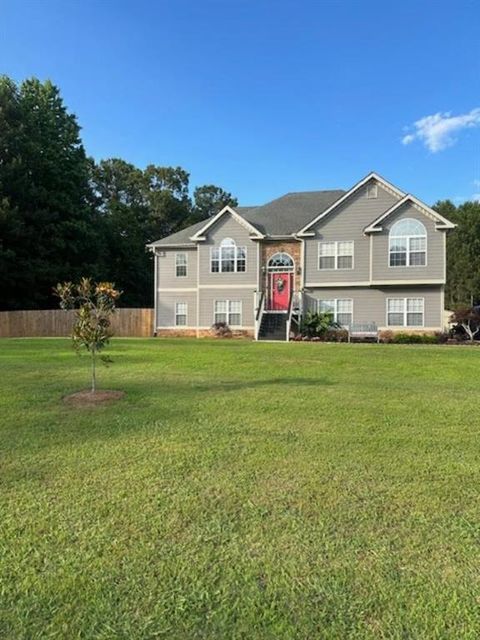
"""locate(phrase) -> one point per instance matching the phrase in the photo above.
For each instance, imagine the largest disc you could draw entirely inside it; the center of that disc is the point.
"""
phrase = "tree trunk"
(94, 377)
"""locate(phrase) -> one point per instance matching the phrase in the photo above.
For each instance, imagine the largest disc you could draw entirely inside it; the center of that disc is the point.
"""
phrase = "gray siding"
(347, 222)
(228, 227)
(370, 304)
(435, 266)
(208, 297)
(166, 278)
(166, 308)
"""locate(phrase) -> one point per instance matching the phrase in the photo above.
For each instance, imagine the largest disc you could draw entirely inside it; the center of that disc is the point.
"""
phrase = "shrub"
(407, 338)
(415, 338)
(386, 336)
(221, 330)
(317, 324)
(336, 335)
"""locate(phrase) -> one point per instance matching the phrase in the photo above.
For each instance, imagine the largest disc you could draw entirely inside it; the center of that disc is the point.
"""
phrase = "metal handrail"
(290, 313)
(259, 312)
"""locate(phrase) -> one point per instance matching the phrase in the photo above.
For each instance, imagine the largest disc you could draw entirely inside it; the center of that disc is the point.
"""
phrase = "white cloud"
(438, 131)
(476, 196)
(476, 183)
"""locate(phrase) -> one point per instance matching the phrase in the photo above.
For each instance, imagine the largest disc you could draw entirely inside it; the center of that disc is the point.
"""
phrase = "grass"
(240, 490)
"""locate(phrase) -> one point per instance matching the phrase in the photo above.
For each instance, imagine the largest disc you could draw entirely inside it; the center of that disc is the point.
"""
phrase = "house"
(372, 254)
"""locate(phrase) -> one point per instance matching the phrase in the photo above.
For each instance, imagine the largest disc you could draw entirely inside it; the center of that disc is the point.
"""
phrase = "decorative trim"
(356, 187)
(400, 282)
(177, 289)
(369, 283)
(323, 285)
(227, 286)
(178, 245)
(199, 235)
(441, 222)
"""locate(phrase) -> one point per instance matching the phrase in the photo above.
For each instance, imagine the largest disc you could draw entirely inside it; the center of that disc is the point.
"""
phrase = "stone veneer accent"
(292, 247)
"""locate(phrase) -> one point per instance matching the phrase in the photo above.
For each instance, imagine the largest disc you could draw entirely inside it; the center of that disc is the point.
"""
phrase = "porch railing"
(259, 308)
(294, 312)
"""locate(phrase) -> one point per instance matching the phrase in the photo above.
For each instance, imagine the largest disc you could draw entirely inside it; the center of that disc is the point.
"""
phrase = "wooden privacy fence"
(56, 323)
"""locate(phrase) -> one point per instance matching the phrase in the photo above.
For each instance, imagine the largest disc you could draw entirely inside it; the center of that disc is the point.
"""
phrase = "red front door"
(280, 285)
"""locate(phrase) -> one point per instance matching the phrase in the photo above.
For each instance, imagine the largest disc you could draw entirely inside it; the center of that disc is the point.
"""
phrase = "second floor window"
(228, 258)
(180, 265)
(335, 255)
(408, 244)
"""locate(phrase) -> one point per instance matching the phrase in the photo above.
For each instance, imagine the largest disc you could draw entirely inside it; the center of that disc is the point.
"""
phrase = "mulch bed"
(86, 398)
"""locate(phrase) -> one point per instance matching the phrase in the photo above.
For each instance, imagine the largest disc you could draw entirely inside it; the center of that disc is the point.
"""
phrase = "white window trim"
(181, 253)
(405, 313)
(336, 256)
(181, 314)
(335, 312)
(228, 311)
(408, 265)
(219, 247)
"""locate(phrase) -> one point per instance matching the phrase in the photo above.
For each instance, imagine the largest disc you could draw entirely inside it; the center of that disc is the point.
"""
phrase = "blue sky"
(265, 97)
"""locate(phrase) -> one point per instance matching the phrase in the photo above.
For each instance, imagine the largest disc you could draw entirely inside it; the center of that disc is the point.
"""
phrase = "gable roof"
(284, 216)
(440, 221)
(371, 176)
(200, 234)
(280, 217)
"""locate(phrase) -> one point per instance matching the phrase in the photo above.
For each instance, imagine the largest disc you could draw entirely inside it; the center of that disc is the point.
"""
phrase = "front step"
(273, 327)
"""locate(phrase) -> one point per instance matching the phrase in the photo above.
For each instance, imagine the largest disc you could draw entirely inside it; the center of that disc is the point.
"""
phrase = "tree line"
(64, 216)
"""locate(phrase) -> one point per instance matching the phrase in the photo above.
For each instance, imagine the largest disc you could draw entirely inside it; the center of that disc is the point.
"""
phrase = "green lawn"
(241, 490)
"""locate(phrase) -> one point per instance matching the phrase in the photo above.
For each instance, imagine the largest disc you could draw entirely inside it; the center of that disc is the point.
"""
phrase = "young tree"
(469, 319)
(94, 305)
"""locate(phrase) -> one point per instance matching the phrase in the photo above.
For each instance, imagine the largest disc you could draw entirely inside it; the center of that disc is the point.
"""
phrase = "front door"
(280, 285)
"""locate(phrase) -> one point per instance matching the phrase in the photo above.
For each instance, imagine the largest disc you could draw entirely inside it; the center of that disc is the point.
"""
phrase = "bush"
(318, 324)
(336, 335)
(407, 338)
(221, 330)
(386, 336)
(415, 338)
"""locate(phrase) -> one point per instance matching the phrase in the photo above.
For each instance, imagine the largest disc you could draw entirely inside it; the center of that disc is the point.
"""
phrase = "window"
(229, 311)
(180, 265)
(228, 258)
(280, 262)
(408, 244)
(372, 190)
(181, 314)
(341, 309)
(335, 255)
(405, 312)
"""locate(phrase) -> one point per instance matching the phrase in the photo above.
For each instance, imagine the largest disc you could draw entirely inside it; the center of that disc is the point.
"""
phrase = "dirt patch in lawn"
(88, 399)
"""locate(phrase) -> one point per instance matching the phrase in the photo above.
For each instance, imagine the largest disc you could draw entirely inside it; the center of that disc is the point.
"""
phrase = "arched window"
(408, 244)
(280, 262)
(228, 258)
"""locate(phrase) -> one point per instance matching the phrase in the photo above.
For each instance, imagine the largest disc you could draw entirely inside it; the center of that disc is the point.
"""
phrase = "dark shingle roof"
(281, 217)
(291, 212)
